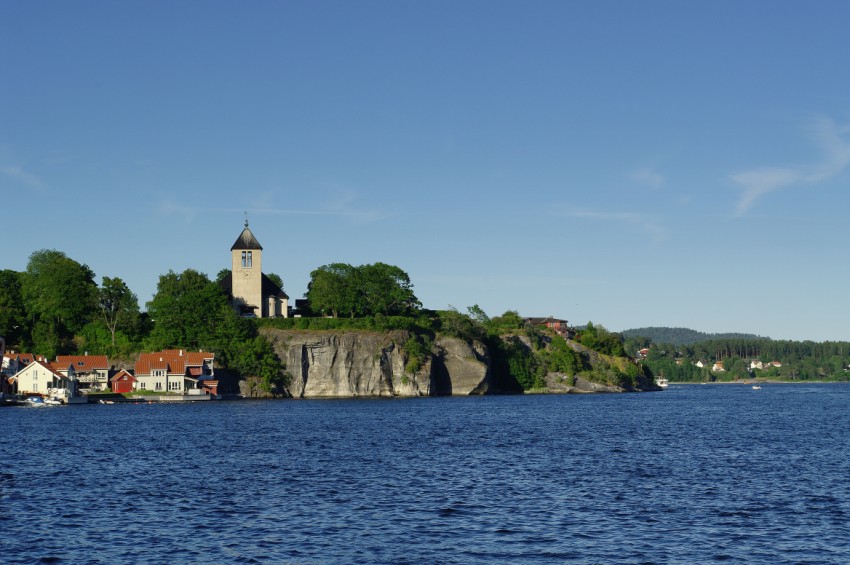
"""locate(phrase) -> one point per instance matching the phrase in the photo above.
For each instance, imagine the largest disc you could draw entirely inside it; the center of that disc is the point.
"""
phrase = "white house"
(172, 370)
(92, 370)
(45, 379)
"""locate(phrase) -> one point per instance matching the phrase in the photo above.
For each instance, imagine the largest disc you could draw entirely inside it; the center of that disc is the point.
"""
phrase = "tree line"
(800, 360)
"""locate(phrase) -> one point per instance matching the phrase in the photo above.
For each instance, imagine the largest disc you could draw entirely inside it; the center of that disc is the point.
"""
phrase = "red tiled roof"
(23, 358)
(174, 361)
(83, 363)
(120, 374)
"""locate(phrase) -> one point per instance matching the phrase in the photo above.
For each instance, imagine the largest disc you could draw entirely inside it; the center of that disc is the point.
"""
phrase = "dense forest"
(682, 336)
(741, 357)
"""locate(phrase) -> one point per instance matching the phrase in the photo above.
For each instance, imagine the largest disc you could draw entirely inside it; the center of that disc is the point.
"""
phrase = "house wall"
(168, 383)
(37, 379)
(152, 383)
(122, 385)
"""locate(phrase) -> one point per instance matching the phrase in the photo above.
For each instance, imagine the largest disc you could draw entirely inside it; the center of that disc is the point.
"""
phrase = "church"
(252, 294)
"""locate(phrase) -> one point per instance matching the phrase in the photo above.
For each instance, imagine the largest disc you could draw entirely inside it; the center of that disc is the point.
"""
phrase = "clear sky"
(628, 163)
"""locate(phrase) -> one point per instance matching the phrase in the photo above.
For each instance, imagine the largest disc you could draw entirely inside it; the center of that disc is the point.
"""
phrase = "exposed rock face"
(460, 367)
(348, 364)
(563, 383)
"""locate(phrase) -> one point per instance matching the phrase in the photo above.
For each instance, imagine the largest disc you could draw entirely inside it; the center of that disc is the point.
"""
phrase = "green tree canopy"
(14, 324)
(186, 311)
(367, 290)
(384, 289)
(332, 290)
(119, 307)
(60, 296)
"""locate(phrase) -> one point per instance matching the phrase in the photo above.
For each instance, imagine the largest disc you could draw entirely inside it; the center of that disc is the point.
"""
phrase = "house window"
(247, 260)
(174, 385)
(142, 385)
(158, 386)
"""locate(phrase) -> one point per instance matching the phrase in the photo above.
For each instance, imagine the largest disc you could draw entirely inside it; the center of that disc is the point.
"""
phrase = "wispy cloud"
(339, 201)
(17, 174)
(168, 207)
(648, 177)
(835, 149)
(644, 223)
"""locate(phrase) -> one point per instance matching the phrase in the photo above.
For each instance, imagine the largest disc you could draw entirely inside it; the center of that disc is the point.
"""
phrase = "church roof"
(270, 288)
(246, 240)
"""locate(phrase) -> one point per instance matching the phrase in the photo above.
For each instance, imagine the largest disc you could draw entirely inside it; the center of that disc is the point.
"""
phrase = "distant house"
(92, 370)
(122, 382)
(560, 327)
(173, 370)
(45, 379)
(756, 364)
(718, 367)
(699, 364)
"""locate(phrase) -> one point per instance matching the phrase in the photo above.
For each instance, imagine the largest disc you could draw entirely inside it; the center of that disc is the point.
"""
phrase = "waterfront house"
(122, 382)
(173, 370)
(46, 379)
(718, 367)
(92, 370)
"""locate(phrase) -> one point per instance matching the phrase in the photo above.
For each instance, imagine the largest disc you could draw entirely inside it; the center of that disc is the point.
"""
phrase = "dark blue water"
(691, 474)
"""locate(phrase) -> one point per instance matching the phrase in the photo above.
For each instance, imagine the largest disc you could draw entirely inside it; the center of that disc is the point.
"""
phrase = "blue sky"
(629, 163)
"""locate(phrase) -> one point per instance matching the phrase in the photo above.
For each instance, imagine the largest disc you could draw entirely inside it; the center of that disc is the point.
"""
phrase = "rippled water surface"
(691, 474)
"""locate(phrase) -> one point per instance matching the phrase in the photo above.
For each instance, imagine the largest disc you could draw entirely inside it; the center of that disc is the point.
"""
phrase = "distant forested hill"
(682, 336)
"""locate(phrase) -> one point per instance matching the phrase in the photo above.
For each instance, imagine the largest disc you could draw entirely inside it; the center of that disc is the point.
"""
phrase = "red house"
(559, 326)
(122, 382)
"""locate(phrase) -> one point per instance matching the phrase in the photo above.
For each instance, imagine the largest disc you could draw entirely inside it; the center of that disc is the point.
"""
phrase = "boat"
(34, 401)
(661, 381)
(53, 401)
(756, 387)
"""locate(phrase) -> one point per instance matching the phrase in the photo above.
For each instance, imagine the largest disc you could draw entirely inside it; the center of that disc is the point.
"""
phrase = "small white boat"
(53, 401)
(34, 401)
(756, 387)
(662, 382)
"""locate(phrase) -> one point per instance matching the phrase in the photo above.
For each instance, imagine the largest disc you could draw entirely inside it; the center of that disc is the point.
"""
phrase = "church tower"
(252, 294)
(246, 272)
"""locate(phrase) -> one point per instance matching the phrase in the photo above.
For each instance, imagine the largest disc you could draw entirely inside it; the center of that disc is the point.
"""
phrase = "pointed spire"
(246, 239)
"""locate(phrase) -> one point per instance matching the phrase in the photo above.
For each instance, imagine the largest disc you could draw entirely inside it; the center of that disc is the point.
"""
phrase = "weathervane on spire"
(246, 218)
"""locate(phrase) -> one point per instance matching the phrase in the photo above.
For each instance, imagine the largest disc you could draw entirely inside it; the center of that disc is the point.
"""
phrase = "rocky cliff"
(359, 363)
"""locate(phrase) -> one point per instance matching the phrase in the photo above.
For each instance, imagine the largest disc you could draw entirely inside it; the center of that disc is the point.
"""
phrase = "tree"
(14, 324)
(510, 320)
(477, 313)
(385, 289)
(221, 275)
(332, 289)
(118, 305)
(60, 296)
(186, 310)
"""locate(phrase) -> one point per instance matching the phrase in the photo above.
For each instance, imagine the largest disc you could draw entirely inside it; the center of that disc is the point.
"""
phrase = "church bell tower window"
(246, 259)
